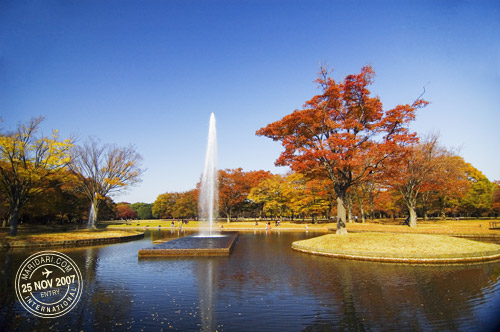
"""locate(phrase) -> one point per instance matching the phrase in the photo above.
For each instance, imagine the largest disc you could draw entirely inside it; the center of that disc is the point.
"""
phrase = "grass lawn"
(467, 227)
(234, 225)
(471, 226)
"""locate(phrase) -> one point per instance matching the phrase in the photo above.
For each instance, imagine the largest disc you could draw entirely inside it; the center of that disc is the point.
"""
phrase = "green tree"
(144, 210)
(479, 197)
(27, 162)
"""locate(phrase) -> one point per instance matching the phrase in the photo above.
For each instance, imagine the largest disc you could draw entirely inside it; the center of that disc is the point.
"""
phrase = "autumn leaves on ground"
(349, 159)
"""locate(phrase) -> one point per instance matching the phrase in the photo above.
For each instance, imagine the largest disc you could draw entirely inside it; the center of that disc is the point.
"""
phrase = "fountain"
(208, 201)
(206, 243)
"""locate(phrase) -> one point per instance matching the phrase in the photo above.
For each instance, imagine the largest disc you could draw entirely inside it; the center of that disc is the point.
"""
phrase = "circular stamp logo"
(48, 284)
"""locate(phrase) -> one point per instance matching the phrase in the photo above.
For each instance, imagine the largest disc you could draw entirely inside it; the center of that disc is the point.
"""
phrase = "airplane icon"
(46, 273)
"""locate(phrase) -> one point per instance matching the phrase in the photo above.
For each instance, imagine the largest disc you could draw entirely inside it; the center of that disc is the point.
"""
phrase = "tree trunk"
(413, 216)
(13, 218)
(442, 208)
(349, 210)
(341, 216)
(362, 212)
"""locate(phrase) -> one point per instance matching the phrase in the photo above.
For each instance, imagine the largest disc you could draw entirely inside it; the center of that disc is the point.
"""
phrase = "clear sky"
(149, 73)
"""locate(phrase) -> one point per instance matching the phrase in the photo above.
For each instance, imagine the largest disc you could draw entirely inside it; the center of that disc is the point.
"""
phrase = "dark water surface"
(262, 286)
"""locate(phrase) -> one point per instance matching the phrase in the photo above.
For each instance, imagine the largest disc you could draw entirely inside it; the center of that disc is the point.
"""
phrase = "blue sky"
(149, 73)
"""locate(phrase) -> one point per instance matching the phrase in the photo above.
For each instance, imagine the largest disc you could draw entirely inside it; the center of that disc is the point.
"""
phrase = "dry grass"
(262, 225)
(471, 227)
(479, 227)
(397, 244)
(235, 225)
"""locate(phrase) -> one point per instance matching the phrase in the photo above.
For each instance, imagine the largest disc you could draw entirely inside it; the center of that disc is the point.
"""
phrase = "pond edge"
(70, 243)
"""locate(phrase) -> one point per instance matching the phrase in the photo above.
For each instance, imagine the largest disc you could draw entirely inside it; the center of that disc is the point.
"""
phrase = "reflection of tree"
(111, 309)
(6, 293)
(167, 234)
(263, 278)
(377, 296)
(102, 305)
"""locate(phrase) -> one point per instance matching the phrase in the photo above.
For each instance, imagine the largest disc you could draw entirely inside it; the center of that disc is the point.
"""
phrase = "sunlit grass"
(471, 227)
(194, 224)
(428, 227)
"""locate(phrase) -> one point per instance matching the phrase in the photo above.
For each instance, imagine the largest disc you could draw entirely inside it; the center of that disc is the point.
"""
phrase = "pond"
(263, 286)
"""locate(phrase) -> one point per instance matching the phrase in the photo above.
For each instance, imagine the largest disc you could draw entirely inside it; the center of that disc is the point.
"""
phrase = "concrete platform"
(193, 246)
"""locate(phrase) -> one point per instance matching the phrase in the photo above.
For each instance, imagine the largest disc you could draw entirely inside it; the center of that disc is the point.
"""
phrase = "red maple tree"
(234, 187)
(342, 132)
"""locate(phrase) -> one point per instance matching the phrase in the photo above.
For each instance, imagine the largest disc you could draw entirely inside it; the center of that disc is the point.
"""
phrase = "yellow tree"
(163, 206)
(186, 205)
(104, 169)
(27, 161)
(308, 197)
(362, 194)
(293, 190)
(63, 200)
(272, 193)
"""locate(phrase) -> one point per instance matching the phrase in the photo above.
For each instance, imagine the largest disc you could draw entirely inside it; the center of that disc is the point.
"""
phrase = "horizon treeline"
(454, 188)
(461, 192)
(349, 158)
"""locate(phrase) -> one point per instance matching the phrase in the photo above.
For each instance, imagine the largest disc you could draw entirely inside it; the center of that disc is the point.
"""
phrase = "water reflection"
(263, 285)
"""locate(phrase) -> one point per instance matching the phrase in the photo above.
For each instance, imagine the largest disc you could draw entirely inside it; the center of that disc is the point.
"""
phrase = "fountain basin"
(193, 246)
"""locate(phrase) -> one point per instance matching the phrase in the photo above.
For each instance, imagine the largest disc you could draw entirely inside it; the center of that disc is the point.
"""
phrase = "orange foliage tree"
(234, 187)
(343, 132)
(419, 170)
(125, 211)
(452, 184)
(496, 198)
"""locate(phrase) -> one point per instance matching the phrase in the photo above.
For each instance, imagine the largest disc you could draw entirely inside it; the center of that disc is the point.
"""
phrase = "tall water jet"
(209, 196)
(206, 243)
